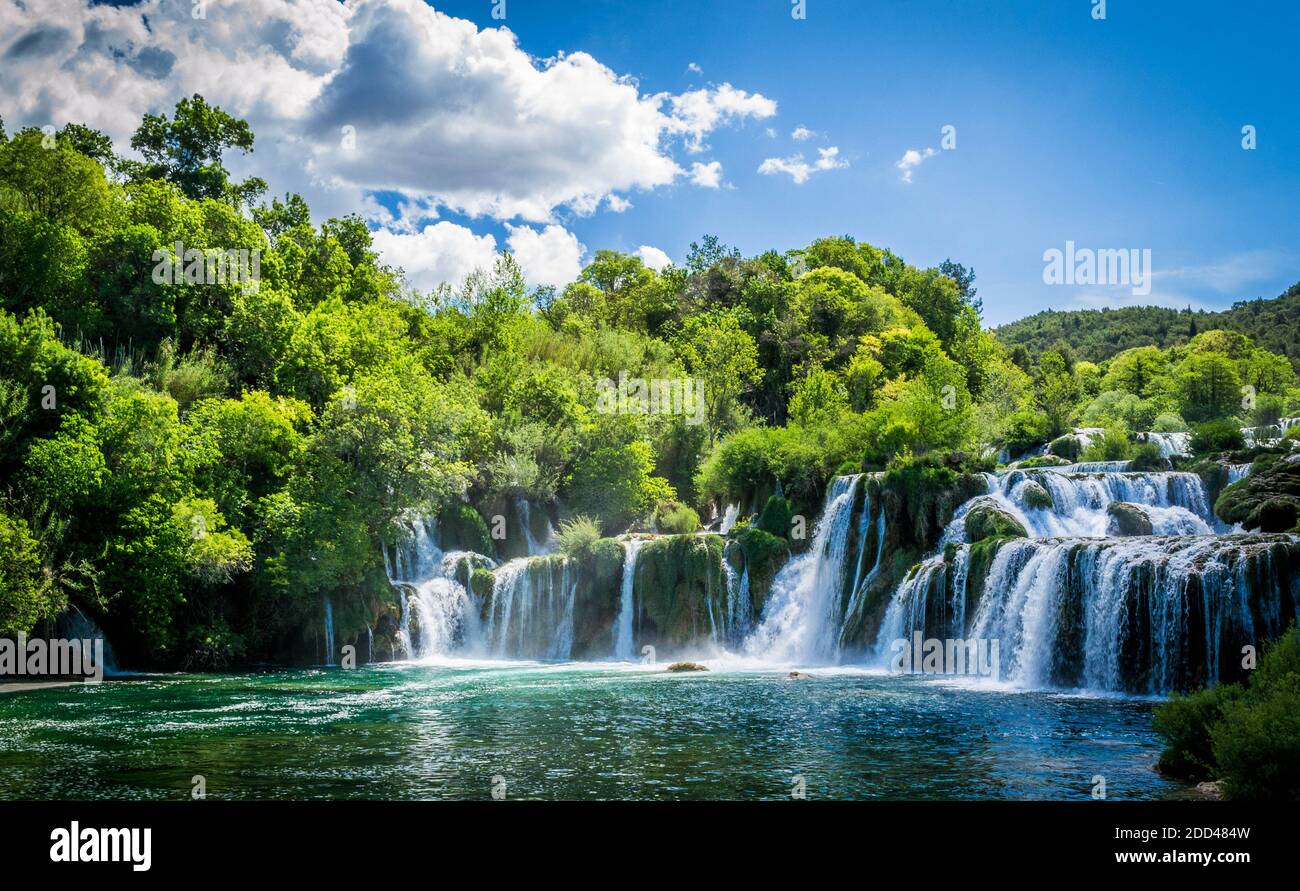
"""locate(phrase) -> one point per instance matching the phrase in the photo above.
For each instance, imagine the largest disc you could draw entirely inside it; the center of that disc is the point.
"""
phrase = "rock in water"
(799, 676)
(687, 666)
(1125, 520)
(1035, 495)
(986, 520)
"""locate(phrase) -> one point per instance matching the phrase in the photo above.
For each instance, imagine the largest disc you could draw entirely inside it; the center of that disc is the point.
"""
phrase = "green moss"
(462, 528)
(1268, 499)
(1037, 496)
(1125, 519)
(986, 520)
(776, 516)
(764, 555)
(1043, 461)
(675, 577)
(481, 581)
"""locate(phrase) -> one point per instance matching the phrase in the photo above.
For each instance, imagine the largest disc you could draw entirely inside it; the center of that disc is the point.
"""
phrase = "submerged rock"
(799, 676)
(986, 520)
(687, 666)
(1124, 520)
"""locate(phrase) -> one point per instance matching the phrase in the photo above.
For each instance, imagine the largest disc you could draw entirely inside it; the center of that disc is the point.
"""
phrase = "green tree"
(187, 150)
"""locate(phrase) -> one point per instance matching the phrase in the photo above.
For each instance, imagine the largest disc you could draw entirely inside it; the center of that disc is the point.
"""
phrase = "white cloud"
(445, 114)
(694, 68)
(799, 169)
(652, 257)
(1232, 273)
(801, 133)
(912, 159)
(616, 203)
(708, 176)
(442, 252)
(697, 113)
(552, 256)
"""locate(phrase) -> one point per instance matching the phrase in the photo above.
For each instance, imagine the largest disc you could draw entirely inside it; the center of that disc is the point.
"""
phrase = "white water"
(624, 648)
(729, 517)
(535, 547)
(1171, 444)
(801, 622)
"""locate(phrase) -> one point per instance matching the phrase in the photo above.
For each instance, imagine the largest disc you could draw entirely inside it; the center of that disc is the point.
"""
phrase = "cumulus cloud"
(551, 256)
(652, 257)
(801, 133)
(440, 253)
(800, 170)
(912, 159)
(386, 96)
(708, 176)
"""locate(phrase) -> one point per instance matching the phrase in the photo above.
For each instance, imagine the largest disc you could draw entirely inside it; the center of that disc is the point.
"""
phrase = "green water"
(573, 731)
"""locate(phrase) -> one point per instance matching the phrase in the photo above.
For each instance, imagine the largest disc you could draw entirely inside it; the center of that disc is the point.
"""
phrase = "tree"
(24, 598)
(1208, 387)
(719, 352)
(187, 150)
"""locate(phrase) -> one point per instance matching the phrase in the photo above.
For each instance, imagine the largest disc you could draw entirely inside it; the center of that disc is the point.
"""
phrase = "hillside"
(1098, 334)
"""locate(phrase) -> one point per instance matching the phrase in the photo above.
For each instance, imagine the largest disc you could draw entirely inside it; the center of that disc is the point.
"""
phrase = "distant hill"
(1097, 334)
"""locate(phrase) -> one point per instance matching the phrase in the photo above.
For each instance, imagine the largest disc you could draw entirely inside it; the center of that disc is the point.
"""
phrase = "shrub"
(675, 518)
(1169, 422)
(576, 536)
(1248, 738)
(1112, 445)
(1217, 436)
(776, 516)
(1146, 456)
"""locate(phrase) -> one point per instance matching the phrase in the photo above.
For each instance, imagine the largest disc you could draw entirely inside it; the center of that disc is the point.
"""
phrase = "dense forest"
(195, 457)
(1098, 334)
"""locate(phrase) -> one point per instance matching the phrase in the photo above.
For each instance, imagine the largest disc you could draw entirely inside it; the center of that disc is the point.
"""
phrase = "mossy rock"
(462, 528)
(596, 600)
(1043, 461)
(1067, 446)
(1268, 499)
(1124, 520)
(675, 577)
(764, 555)
(481, 582)
(986, 519)
(687, 666)
(1035, 495)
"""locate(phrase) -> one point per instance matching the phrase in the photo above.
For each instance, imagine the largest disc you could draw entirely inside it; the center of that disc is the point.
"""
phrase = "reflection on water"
(569, 731)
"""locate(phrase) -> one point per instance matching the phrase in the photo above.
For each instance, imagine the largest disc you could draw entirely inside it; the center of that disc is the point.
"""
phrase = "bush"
(776, 516)
(675, 518)
(576, 536)
(1248, 738)
(1217, 436)
(1112, 445)
(1169, 422)
(1146, 456)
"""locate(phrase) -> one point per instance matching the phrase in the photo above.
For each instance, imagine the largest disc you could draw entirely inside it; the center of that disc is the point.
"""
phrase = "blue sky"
(1122, 133)
(1116, 134)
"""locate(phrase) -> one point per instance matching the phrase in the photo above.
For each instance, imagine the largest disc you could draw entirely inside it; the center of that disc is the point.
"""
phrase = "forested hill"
(1098, 334)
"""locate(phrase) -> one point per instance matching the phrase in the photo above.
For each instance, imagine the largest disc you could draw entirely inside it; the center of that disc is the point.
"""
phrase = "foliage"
(1216, 436)
(576, 535)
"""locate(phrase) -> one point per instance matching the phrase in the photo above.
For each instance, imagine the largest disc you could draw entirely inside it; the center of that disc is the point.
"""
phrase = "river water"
(453, 729)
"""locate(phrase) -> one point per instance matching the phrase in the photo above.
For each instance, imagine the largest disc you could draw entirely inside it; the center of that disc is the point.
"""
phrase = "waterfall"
(801, 622)
(329, 630)
(729, 518)
(623, 644)
(735, 620)
(1237, 472)
(1171, 445)
(531, 614)
(535, 547)
(439, 615)
(1175, 503)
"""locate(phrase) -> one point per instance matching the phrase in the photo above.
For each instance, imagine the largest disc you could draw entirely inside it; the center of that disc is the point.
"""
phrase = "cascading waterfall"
(1175, 503)
(1071, 607)
(802, 619)
(729, 517)
(531, 614)
(535, 547)
(438, 614)
(1172, 445)
(623, 643)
